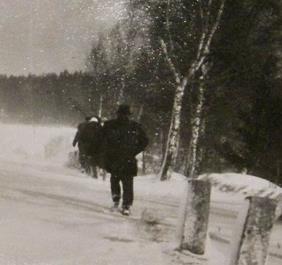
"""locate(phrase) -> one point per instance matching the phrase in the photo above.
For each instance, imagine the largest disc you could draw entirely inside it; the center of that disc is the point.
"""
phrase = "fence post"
(143, 163)
(254, 234)
(194, 215)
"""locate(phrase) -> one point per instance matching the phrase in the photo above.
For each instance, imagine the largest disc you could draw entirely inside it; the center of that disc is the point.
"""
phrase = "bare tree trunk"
(187, 159)
(140, 113)
(100, 111)
(167, 157)
(121, 93)
(163, 143)
(94, 171)
(143, 163)
(201, 148)
(196, 127)
(173, 137)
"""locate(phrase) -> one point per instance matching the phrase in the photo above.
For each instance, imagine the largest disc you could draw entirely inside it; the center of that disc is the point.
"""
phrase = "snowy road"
(53, 215)
(52, 218)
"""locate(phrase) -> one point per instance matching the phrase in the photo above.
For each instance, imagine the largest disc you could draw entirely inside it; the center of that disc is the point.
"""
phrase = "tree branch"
(171, 64)
(215, 27)
(167, 25)
(205, 41)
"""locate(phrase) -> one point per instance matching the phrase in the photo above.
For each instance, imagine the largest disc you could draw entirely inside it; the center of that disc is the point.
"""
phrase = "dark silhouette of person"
(92, 133)
(123, 139)
(87, 138)
(80, 143)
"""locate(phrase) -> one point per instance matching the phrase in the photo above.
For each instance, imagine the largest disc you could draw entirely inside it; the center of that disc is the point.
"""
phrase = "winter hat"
(124, 109)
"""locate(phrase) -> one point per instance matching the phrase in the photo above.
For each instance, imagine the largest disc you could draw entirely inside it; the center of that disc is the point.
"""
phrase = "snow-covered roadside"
(68, 210)
(50, 146)
(51, 214)
(35, 143)
(57, 212)
(61, 219)
(232, 187)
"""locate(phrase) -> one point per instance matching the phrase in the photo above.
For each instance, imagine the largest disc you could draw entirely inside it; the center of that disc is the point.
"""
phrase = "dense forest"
(203, 77)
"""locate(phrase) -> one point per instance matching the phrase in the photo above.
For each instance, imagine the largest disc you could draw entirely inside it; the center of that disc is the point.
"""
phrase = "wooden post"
(252, 248)
(194, 215)
(143, 163)
(94, 173)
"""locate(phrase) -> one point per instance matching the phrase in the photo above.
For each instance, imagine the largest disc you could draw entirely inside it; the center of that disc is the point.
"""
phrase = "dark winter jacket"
(87, 137)
(77, 138)
(123, 139)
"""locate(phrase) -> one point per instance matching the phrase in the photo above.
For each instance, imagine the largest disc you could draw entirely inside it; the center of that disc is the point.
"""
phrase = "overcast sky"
(41, 36)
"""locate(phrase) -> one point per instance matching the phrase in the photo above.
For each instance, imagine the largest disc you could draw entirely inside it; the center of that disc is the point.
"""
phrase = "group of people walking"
(87, 139)
(113, 147)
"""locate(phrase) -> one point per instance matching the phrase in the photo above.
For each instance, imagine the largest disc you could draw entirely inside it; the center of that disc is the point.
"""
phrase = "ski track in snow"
(54, 215)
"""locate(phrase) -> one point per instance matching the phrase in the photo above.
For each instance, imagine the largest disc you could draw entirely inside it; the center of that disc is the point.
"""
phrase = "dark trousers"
(82, 155)
(127, 186)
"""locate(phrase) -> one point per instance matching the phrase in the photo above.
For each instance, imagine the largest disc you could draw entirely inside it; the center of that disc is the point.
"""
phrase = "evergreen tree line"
(63, 98)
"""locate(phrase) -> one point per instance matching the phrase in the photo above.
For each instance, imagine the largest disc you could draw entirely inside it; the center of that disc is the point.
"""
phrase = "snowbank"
(246, 185)
(234, 187)
(26, 142)
(56, 201)
(44, 143)
(227, 188)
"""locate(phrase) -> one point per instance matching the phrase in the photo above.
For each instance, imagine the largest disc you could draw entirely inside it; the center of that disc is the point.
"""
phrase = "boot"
(114, 208)
(125, 211)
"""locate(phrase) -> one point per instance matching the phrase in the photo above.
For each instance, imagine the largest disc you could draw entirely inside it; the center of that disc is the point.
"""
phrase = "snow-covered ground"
(52, 214)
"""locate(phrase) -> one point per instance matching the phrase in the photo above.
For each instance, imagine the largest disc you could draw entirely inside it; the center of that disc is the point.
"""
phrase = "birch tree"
(209, 14)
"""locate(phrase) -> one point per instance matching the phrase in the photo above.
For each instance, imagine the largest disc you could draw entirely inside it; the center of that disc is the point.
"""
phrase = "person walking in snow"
(123, 139)
(87, 138)
(80, 143)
